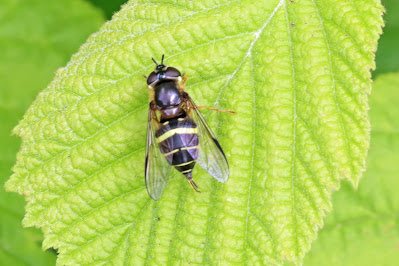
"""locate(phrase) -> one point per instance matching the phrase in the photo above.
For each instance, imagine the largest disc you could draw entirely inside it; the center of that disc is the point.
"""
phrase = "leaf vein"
(334, 90)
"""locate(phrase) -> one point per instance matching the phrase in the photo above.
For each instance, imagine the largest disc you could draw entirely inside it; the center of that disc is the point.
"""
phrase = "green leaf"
(388, 54)
(297, 73)
(363, 229)
(36, 37)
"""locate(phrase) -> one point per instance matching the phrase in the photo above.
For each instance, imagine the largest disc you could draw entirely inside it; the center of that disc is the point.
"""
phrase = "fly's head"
(162, 73)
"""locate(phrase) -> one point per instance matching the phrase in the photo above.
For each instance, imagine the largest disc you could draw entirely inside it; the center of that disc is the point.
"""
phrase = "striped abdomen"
(178, 140)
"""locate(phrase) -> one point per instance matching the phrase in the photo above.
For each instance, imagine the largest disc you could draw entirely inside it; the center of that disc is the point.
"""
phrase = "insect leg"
(193, 185)
(184, 79)
(191, 181)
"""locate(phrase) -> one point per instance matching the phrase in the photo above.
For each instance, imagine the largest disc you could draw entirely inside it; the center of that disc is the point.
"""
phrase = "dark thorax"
(168, 99)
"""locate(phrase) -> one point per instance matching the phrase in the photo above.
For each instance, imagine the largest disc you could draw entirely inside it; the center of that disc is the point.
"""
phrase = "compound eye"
(152, 78)
(172, 72)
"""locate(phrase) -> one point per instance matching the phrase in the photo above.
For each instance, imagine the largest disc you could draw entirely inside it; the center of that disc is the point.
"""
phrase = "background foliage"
(387, 53)
(35, 50)
(36, 37)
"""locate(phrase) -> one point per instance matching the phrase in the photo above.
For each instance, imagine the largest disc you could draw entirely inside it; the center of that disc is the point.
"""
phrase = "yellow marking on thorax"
(152, 93)
(180, 130)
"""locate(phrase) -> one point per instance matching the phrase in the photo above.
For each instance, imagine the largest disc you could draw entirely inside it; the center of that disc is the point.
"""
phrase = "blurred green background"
(38, 36)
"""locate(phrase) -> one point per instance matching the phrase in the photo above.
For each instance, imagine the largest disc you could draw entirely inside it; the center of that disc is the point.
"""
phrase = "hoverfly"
(177, 134)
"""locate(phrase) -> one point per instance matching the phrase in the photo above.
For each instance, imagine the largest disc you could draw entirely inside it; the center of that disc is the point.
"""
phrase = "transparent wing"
(210, 155)
(157, 168)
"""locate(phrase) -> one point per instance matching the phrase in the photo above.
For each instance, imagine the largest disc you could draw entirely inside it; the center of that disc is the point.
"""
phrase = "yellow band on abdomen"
(183, 164)
(180, 149)
(180, 130)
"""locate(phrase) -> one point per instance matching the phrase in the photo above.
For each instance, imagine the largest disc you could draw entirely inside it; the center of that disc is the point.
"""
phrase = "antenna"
(162, 59)
(156, 61)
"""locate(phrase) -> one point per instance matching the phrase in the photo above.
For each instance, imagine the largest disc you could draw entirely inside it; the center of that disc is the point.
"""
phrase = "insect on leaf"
(296, 72)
